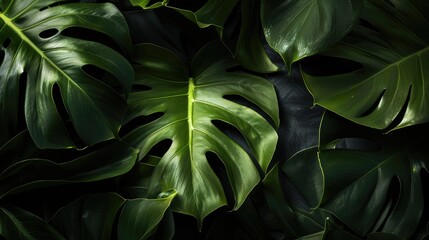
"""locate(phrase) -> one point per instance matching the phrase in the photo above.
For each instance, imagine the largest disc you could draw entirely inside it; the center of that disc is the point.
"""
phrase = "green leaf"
(16, 223)
(389, 91)
(376, 186)
(298, 29)
(293, 220)
(89, 217)
(38, 56)
(212, 13)
(189, 103)
(245, 223)
(139, 217)
(304, 173)
(29, 173)
(250, 51)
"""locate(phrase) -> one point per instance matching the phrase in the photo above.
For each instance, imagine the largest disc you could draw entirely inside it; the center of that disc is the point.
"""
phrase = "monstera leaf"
(375, 186)
(389, 90)
(187, 106)
(297, 29)
(37, 55)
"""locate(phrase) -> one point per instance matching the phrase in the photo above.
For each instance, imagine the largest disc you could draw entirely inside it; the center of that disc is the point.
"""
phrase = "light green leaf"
(189, 101)
(18, 224)
(389, 91)
(139, 217)
(88, 218)
(36, 54)
(376, 186)
(298, 29)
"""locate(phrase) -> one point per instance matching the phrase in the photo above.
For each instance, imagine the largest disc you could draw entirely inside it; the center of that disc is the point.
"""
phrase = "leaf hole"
(221, 172)
(2, 55)
(401, 113)
(7, 42)
(140, 88)
(139, 121)
(48, 33)
(326, 66)
(104, 76)
(65, 117)
(360, 144)
(374, 106)
(244, 102)
(160, 148)
(389, 205)
(233, 133)
(21, 101)
(90, 35)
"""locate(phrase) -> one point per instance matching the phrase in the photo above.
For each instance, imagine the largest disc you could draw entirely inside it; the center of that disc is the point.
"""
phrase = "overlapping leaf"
(249, 51)
(389, 91)
(16, 223)
(94, 216)
(190, 102)
(297, 29)
(36, 56)
(377, 186)
(22, 169)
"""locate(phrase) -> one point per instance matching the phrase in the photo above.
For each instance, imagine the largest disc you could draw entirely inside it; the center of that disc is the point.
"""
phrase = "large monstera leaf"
(389, 90)
(36, 56)
(373, 182)
(298, 29)
(191, 102)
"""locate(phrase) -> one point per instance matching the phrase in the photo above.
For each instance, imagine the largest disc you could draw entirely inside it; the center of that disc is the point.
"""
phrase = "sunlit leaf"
(186, 104)
(38, 57)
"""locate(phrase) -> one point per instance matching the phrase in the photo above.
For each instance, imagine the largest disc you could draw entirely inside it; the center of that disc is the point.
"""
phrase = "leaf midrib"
(24, 38)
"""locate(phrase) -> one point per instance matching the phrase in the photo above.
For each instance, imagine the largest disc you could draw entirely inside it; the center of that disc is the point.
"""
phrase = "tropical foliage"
(216, 119)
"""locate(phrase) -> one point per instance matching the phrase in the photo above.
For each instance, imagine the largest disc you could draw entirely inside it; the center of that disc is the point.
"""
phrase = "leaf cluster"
(216, 119)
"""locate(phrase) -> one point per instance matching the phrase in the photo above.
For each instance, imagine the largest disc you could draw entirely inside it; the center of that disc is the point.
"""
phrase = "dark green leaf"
(190, 104)
(113, 160)
(89, 217)
(250, 50)
(297, 29)
(295, 221)
(389, 91)
(377, 187)
(51, 66)
(18, 224)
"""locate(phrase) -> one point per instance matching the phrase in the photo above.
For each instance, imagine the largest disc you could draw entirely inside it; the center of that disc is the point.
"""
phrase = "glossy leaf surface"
(190, 103)
(139, 217)
(389, 90)
(50, 66)
(381, 179)
(297, 29)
